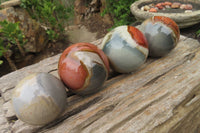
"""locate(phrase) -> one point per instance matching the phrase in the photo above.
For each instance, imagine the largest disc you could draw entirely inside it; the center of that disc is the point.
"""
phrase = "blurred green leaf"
(120, 10)
(10, 35)
(198, 33)
(1, 62)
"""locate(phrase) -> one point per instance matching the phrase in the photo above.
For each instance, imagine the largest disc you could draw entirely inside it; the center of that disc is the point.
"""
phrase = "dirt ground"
(97, 24)
(95, 27)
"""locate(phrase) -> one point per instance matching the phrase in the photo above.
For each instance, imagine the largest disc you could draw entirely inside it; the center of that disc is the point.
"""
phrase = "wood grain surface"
(163, 96)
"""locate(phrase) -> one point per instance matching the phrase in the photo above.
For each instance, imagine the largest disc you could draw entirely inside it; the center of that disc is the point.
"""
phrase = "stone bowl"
(183, 19)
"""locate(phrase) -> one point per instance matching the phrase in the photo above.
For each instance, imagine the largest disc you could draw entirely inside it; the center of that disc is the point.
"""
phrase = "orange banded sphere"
(83, 68)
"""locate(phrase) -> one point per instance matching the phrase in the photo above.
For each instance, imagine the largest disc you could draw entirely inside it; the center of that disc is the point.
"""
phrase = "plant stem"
(20, 48)
(10, 62)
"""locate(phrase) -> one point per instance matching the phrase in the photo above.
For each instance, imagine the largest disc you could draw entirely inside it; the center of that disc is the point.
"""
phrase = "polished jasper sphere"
(83, 68)
(126, 48)
(162, 35)
(39, 98)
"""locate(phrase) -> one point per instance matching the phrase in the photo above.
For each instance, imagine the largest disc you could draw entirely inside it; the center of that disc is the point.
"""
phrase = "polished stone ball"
(126, 48)
(162, 35)
(83, 68)
(39, 99)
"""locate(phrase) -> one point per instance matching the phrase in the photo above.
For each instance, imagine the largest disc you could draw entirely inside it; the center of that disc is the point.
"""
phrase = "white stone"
(188, 11)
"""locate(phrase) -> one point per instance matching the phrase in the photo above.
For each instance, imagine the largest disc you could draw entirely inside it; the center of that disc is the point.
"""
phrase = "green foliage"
(51, 34)
(12, 32)
(198, 33)
(2, 50)
(10, 35)
(50, 13)
(120, 10)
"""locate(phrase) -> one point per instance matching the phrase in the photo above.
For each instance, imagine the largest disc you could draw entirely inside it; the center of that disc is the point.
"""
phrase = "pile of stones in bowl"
(167, 5)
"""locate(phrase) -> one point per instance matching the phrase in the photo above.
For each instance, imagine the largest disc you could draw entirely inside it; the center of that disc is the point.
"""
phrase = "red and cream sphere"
(83, 68)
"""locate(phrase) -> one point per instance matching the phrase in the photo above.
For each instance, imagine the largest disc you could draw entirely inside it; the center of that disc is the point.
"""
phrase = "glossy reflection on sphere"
(39, 99)
(126, 48)
(83, 68)
(162, 35)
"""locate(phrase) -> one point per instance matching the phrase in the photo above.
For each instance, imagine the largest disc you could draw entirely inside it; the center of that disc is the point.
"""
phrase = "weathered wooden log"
(162, 96)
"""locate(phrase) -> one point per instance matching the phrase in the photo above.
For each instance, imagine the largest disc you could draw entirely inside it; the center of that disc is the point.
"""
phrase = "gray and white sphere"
(126, 48)
(39, 99)
(162, 34)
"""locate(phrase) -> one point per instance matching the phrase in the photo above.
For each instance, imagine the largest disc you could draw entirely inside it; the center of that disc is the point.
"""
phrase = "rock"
(142, 8)
(34, 33)
(167, 3)
(10, 3)
(175, 5)
(159, 6)
(188, 11)
(151, 5)
(188, 7)
(4, 13)
(37, 37)
(182, 6)
(152, 10)
(167, 6)
(146, 8)
(163, 3)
